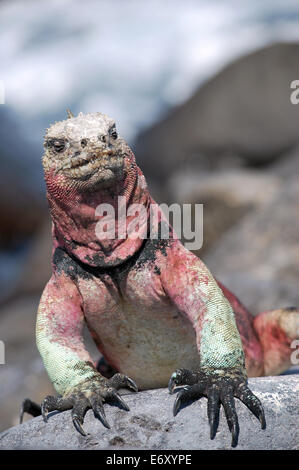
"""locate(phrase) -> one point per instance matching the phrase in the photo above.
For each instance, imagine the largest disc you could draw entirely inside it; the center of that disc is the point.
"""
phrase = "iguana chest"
(137, 328)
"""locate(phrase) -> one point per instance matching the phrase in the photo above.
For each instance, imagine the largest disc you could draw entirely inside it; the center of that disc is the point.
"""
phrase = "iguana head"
(87, 165)
(84, 152)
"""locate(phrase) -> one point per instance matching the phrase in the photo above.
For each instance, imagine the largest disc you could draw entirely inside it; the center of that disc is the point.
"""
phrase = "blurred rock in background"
(23, 375)
(242, 116)
(201, 90)
(227, 196)
(258, 258)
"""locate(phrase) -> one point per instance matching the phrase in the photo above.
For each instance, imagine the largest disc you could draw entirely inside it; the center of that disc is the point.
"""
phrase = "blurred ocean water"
(130, 59)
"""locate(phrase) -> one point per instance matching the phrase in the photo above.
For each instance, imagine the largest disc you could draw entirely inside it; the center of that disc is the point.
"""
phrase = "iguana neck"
(75, 219)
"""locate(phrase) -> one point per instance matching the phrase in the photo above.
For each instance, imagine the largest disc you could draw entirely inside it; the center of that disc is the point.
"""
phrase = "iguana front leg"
(59, 329)
(222, 375)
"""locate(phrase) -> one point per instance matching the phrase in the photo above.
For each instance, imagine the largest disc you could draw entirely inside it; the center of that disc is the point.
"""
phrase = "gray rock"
(244, 111)
(227, 196)
(258, 259)
(150, 424)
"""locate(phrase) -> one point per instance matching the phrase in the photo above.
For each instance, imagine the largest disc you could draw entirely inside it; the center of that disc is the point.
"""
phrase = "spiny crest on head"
(73, 126)
(70, 115)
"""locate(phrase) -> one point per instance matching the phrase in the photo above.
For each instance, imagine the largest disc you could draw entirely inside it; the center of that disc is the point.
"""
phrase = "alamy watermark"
(295, 354)
(132, 222)
(294, 97)
(2, 352)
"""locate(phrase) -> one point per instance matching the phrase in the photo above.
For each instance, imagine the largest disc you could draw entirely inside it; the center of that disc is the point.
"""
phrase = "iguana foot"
(29, 406)
(90, 394)
(219, 387)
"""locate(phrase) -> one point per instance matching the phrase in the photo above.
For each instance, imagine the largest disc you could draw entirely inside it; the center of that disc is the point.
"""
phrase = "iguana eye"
(57, 144)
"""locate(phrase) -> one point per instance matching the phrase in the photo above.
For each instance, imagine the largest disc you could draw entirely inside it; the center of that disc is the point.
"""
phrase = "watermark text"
(294, 97)
(137, 221)
(2, 352)
(295, 354)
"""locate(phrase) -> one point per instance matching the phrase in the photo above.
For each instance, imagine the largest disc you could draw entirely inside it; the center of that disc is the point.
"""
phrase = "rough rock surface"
(150, 424)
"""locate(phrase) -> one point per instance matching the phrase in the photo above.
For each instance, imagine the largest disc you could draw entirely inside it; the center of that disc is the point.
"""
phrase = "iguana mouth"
(82, 166)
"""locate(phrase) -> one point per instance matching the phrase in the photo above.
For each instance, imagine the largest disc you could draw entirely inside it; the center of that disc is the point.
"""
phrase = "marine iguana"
(154, 310)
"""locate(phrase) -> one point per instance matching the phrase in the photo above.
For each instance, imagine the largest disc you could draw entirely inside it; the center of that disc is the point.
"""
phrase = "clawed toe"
(188, 393)
(113, 396)
(77, 421)
(52, 403)
(182, 377)
(181, 398)
(253, 404)
(228, 402)
(213, 411)
(99, 412)
(122, 381)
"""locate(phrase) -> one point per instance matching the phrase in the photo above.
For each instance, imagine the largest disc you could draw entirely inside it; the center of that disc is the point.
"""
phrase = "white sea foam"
(130, 59)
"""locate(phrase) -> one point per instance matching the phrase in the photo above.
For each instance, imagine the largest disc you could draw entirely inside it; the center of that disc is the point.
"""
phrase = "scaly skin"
(151, 305)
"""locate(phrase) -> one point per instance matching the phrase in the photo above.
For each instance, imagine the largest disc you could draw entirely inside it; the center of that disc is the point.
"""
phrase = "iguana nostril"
(83, 143)
(102, 138)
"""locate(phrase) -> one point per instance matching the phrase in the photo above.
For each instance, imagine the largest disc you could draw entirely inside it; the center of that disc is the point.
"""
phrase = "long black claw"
(213, 412)
(231, 416)
(100, 413)
(132, 384)
(177, 404)
(180, 398)
(253, 404)
(78, 413)
(235, 434)
(30, 407)
(78, 425)
(262, 419)
(119, 400)
(189, 392)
